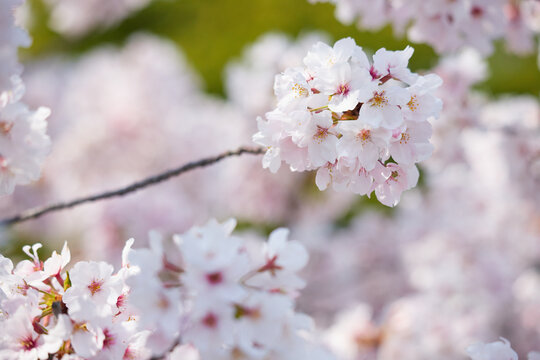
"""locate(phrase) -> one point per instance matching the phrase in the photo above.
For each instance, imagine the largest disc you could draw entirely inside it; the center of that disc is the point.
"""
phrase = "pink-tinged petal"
(362, 183)
(392, 117)
(403, 153)
(272, 160)
(344, 49)
(341, 103)
(323, 178)
(370, 116)
(423, 151)
(412, 176)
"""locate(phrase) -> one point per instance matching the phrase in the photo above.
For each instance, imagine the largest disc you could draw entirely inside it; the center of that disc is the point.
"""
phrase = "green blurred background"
(214, 32)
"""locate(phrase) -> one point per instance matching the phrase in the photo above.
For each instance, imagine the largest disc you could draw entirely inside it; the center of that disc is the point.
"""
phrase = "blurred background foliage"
(213, 32)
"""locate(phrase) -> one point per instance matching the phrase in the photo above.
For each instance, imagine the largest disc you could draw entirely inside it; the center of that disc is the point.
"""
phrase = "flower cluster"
(450, 25)
(23, 139)
(206, 292)
(417, 292)
(362, 125)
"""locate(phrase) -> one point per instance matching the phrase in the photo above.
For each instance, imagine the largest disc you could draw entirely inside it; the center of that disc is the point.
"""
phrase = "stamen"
(413, 103)
(321, 134)
(95, 286)
(364, 135)
(405, 137)
(28, 343)
(299, 90)
(379, 100)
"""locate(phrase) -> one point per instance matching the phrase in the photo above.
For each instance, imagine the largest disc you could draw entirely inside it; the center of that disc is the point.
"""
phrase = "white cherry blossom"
(345, 117)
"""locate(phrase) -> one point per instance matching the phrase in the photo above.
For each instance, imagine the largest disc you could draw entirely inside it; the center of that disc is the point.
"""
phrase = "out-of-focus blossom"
(449, 26)
(75, 18)
(249, 81)
(23, 139)
(11, 38)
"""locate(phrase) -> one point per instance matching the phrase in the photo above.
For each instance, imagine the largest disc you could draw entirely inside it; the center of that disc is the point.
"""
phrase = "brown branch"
(156, 179)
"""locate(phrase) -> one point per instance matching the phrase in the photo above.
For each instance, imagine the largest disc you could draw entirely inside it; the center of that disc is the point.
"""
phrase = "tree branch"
(156, 179)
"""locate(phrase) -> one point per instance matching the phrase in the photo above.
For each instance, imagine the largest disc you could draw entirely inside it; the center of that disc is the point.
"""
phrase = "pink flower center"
(321, 133)
(210, 320)
(343, 89)
(109, 340)
(95, 286)
(364, 135)
(214, 278)
(129, 354)
(374, 74)
(271, 266)
(477, 11)
(378, 99)
(28, 343)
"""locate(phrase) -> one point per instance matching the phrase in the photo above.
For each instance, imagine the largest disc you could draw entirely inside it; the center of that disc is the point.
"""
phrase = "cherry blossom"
(23, 140)
(345, 117)
(201, 289)
(449, 26)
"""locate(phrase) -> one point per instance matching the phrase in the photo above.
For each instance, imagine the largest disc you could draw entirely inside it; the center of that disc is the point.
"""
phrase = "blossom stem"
(319, 109)
(152, 180)
(385, 79)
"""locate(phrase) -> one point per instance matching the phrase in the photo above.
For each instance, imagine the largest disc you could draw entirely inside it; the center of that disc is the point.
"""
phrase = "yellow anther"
(364, 135)
(321, 134)
(299, 90)
(379, 100)
(413, 103)
(405, 137)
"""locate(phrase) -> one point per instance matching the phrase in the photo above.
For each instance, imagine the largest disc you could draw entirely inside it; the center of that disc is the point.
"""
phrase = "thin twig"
(40, 211)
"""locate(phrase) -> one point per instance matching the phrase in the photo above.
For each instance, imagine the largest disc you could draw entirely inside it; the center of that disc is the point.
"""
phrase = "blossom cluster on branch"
(445, 268)
(362, 125)
(205, 292)
(448, 26)
(23, 139)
